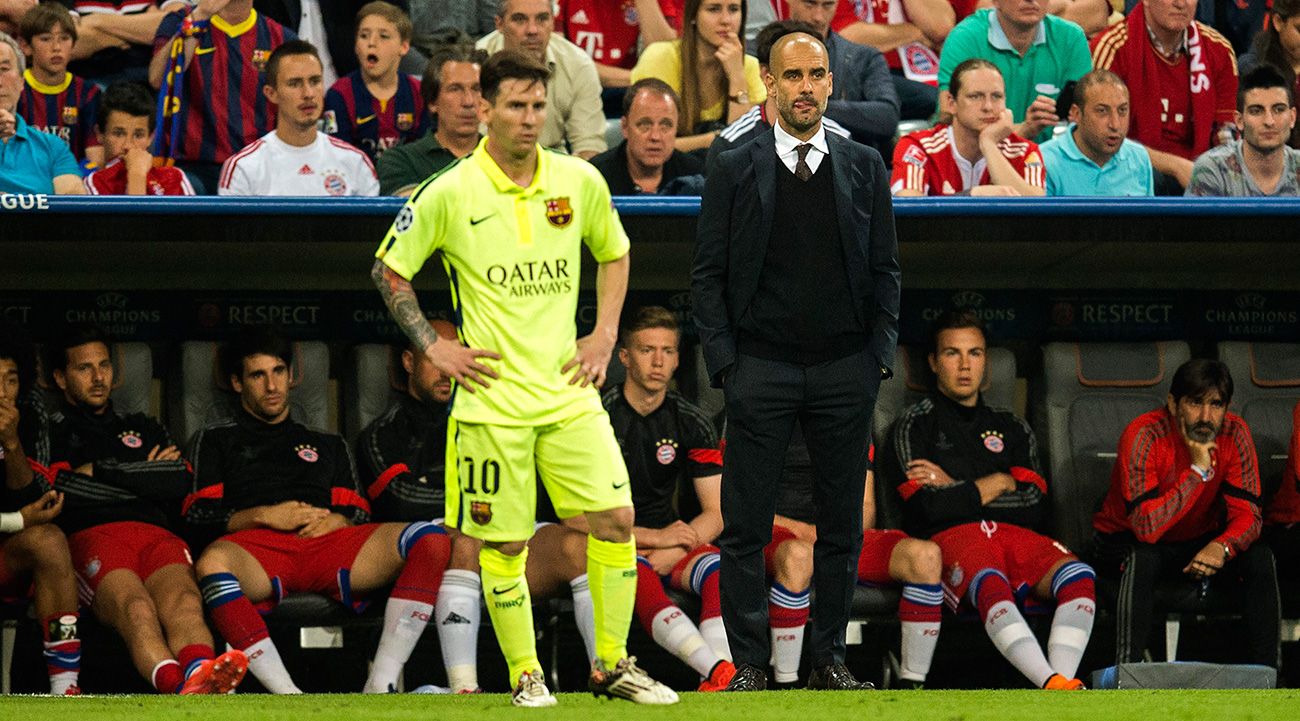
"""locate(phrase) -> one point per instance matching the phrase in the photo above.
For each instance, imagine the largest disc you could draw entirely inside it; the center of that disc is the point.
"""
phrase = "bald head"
(799, 80)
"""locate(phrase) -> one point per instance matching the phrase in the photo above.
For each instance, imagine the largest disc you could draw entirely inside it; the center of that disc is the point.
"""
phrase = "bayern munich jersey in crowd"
(928, 161)
(111, 180)
(328, 167)
(123, 485)
(222, 106)
(609, 30)
(67, 110)
(401, 458)
(665, 452)
(354, 115)
(244, 462)
(968, 443)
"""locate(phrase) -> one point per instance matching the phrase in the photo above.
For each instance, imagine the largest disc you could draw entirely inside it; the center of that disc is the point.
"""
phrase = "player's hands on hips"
(42, 510)
(1207, 561)
(326, 524)
(928, 473)
(158, 453)
(290, 515)
(591, 359)
(462, 363)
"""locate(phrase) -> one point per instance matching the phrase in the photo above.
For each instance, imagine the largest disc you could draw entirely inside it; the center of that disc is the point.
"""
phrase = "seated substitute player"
(34, 558)
(672, 456)
(401, 461)
(888, 558)
(377, 107)
(515, 266)
(968, 475)
(125, 127)
(288, 498)
(1184, 503)
(295, 158)
(55, 101)
(124, 481)
(978, 153)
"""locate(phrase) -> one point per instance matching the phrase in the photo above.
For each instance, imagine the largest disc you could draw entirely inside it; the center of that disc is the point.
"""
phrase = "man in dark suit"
(795, 289)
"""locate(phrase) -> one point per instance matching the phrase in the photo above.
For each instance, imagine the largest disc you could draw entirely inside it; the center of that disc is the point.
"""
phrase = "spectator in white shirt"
(296, 159)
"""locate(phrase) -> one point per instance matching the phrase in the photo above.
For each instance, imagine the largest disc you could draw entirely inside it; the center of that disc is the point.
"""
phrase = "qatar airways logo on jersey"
(532, 278)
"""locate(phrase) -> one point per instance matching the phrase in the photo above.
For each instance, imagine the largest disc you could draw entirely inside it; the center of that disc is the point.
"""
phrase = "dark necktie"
(801, 169)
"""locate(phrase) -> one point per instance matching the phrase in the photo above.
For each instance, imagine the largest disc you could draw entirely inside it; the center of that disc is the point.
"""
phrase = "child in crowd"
(125, 130)
(376, 107)
(53, 99)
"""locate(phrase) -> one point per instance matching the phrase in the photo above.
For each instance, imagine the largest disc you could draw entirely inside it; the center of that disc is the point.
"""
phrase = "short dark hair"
(966, 66)
(774, 31)
(510, 65)
(458, 51)
(292, 47)
(650, 316)
(44, 18)
(127, 98)
(73, 335)
(952, 320)
(1263, 77)
(1198, 376)
(1100, 76)
(253, 340)
(389, 12)
(16, 345)
(653, 85)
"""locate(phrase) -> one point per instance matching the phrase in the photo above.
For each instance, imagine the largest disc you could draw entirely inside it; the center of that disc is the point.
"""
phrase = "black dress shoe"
(748, 678)
(836, 677)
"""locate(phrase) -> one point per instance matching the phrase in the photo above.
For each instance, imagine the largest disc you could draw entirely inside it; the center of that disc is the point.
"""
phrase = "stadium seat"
(613, 132)
(1266, 387)
(1090, 393)
(370, 385)
(200, 394)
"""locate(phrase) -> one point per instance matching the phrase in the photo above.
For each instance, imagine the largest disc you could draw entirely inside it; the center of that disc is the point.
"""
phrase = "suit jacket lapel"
(843, 180)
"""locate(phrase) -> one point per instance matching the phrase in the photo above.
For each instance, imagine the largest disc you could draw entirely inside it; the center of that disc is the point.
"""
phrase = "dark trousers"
(833, 402)
(1141, 565)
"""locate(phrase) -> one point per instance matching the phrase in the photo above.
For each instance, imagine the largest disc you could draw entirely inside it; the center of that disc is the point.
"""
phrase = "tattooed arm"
(454, 359)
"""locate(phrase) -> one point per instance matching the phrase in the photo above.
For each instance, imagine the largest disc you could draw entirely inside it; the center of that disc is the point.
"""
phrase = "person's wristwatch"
(741, 97)
(1227, 551)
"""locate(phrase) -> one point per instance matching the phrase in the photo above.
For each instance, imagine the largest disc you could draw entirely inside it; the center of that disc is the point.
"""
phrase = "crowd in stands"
(1081, 97)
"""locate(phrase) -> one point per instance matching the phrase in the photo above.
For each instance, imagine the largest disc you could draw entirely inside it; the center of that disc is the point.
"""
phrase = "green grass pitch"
(782, 705)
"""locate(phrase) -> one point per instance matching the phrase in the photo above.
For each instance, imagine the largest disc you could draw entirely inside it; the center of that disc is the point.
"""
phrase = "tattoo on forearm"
(400, 298)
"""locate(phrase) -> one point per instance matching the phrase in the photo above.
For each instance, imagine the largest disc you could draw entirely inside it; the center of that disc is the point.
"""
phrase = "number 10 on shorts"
(487, 474)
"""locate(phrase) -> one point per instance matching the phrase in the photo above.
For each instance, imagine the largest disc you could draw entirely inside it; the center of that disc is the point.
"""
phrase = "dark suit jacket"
(734, 232)
(340, 17)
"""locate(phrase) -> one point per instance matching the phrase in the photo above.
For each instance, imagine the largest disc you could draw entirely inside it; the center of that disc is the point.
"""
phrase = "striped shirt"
(354, 115)
(67, 110)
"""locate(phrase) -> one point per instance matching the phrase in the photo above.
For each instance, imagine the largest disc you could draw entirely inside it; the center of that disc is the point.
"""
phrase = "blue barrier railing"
(661, 206)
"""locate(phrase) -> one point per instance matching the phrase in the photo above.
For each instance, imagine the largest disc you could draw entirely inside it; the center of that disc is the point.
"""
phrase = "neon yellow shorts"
(492, 474)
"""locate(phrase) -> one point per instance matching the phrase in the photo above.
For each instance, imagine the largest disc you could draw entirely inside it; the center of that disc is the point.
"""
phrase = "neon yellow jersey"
(513, 256)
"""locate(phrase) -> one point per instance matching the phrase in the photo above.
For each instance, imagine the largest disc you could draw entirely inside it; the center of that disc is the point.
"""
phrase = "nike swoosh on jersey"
(204, 51)
(366, 119)
(508, 589)
(476, 221)
(619, 485)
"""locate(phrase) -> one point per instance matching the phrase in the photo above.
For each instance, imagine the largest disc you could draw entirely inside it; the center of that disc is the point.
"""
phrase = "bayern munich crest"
(336, 185)
(666, 453)
(993, 441)
(307, 453)
(131, 439)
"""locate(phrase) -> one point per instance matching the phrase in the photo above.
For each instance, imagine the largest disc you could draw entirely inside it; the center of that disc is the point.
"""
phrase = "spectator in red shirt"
(125, 129)
(1182, 75)
(609, 31)
(909, 33)
(1184, 504)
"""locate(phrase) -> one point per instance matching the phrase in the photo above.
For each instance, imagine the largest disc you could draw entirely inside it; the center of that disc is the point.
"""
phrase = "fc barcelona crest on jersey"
(405, 121)
(131, 439)
(480, 512)
(558, 212)
(307, 453)
(260, 57)
(70, 115)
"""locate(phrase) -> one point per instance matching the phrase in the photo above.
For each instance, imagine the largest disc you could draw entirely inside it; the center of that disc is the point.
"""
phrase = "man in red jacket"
(1184, 502)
